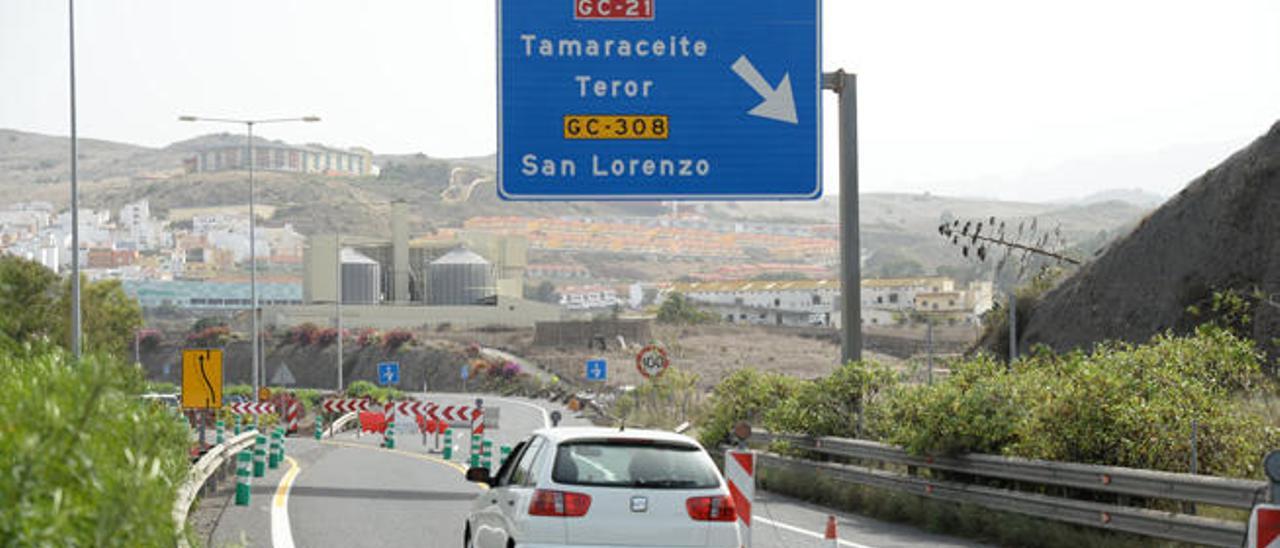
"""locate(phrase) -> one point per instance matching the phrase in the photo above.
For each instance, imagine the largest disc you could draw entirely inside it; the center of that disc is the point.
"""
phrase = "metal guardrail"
(1225, 492)
(204, 469)
(340, 424)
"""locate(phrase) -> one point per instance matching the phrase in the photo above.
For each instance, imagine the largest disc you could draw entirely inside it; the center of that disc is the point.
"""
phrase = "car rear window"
(633, 463)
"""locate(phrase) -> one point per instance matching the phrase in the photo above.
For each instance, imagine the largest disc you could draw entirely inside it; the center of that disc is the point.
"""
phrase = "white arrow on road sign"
(779, 104)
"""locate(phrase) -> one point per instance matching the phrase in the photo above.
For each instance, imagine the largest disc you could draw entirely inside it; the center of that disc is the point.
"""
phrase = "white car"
(603, 487)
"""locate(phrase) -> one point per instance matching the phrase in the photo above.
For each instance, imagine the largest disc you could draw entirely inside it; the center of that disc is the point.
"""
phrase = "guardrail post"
(273, 458)
(448, 444)
(390, 435)
(242, 478)
(260, 455)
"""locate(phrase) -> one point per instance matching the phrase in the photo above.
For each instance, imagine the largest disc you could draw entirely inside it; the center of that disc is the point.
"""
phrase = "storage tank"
(459, 278)
(361, 278)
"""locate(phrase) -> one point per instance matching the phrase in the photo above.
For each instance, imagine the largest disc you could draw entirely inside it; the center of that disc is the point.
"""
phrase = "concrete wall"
(580, 334)
(510, 312)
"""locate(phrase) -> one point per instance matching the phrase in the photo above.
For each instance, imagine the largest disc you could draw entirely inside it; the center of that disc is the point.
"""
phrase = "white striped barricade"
(244, 408)
(344, 406)
(294, 414)
(1264, 526)
(740, 472)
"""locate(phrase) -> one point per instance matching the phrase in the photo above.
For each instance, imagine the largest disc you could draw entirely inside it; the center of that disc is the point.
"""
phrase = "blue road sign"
(659, 99)
(388, 373)
(597, 370)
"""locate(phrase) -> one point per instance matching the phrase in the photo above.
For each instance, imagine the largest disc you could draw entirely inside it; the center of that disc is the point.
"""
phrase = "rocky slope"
(1221, 232)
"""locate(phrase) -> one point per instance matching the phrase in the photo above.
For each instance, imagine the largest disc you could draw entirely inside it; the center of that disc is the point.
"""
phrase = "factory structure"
(462, 278)
(284, 157)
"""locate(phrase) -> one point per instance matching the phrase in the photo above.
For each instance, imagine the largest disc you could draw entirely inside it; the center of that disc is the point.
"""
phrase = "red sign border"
(666, 361)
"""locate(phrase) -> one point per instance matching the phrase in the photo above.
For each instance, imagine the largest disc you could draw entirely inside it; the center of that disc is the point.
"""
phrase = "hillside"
(899, 230)
(1221, 232)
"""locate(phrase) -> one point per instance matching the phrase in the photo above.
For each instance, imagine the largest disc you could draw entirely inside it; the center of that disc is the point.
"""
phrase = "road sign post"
(711, 100)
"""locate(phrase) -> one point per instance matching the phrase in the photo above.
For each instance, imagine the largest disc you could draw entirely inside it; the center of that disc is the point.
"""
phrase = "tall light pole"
(337, 302)
(75, 193)
(253, 238)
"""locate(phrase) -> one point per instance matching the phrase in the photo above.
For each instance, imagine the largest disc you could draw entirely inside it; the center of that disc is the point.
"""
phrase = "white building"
(588, 297)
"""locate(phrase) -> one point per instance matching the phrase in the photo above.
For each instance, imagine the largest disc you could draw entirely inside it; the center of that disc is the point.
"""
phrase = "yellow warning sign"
(202, 379)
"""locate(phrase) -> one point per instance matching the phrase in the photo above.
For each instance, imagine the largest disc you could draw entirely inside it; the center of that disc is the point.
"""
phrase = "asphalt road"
(349, 492)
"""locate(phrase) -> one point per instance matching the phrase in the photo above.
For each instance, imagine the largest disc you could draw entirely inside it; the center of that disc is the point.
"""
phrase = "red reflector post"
(559, 504)
(717, 508)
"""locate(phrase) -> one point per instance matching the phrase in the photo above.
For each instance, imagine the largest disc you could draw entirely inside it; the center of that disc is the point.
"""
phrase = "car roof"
(569, 433)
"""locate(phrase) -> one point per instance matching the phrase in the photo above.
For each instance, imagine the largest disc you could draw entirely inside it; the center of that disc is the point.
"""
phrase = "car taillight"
(559, 504)
(717, 508)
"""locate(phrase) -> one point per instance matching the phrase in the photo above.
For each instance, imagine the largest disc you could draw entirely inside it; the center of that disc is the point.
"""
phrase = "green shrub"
(662, 403)
(1121, 405)
(86, 462)
(829, 406)
(747, 395)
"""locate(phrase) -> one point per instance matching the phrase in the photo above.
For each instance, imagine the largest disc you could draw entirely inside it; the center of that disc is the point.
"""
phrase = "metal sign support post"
(846, 86)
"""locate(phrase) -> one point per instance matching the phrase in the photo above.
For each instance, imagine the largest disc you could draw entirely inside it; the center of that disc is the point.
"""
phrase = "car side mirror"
(479, 475)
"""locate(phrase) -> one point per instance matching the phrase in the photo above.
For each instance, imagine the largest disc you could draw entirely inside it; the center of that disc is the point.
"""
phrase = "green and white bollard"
(319, 427)
(390, 440)
(273, 458)
(219, 435)
(260, 456)
(242, 478)
(504, 452)
(475, 450)
(236, 422)
(487, 460)
(448, 444)
(284, 433)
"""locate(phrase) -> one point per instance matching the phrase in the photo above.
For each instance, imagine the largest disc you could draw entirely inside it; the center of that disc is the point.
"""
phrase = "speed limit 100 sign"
(652, 362)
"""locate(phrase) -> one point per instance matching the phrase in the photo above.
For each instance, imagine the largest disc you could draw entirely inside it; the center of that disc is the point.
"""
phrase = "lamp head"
(310, 118)
(186, 118)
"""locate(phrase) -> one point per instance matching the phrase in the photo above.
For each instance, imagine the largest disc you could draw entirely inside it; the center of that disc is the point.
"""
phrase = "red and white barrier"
(344, 405)
(294, 414)
(740, 471)
(252, 408)
(1264, 527)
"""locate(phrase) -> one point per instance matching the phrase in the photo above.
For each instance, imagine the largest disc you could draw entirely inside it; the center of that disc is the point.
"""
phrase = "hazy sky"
(1025, 99)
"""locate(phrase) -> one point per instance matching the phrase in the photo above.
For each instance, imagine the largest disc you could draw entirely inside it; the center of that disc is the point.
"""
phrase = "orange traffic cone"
(833, 540)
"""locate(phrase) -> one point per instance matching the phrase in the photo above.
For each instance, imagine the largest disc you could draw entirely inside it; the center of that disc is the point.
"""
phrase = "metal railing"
(212, 466)
(1113, 480)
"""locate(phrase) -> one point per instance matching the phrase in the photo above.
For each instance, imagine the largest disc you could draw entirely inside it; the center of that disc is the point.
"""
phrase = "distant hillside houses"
(283, 157)
(885, 301)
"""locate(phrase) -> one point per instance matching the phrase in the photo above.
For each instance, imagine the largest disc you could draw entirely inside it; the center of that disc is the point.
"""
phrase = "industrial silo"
(460, 278)
(361, 278)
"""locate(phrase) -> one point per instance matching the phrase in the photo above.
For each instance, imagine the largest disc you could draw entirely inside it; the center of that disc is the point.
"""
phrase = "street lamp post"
(253, 239)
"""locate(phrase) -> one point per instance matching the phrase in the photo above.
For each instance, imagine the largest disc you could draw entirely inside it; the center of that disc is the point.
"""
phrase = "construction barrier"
(740, 470)
(373, 422)
(1264, 526)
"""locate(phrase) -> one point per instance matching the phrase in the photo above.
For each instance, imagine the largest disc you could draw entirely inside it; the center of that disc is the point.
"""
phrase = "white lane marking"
(281, 533)
(546, 416)
(794, 529)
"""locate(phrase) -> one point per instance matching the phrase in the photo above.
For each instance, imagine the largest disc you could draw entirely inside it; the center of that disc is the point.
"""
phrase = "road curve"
(349, 492)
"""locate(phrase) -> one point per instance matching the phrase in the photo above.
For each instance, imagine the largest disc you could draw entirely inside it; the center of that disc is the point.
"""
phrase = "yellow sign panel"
(264, 394)
(202, 379)
(613, 126)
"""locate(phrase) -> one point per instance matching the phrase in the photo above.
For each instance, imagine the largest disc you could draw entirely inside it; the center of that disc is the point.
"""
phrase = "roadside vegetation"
(86, 462)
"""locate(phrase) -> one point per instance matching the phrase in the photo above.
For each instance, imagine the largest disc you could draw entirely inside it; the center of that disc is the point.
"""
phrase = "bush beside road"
(86, 462)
